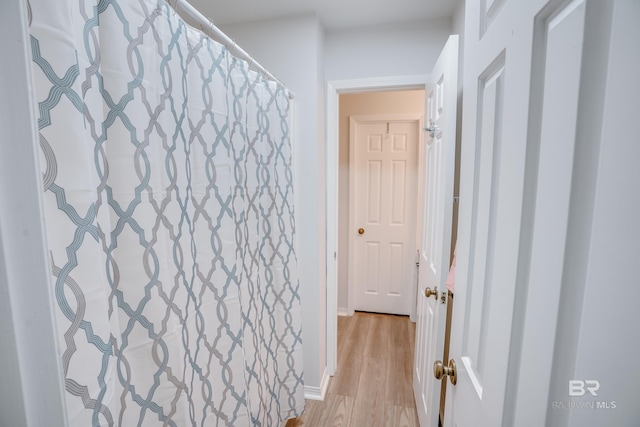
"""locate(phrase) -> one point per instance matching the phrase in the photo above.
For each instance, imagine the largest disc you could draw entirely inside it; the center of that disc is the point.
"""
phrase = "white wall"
(378, 103)
(408, 48)
(292, 49)
(31, 385)
(457, 27)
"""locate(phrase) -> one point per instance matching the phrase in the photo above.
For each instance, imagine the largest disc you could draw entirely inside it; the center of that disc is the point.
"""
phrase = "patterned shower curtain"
(169, 214)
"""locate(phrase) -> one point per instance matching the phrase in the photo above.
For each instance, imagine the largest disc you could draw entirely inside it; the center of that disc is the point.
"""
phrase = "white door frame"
(335, 88)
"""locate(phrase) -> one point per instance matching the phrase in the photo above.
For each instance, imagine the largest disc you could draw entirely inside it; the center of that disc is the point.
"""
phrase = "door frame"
(334, 89)
(418, 119)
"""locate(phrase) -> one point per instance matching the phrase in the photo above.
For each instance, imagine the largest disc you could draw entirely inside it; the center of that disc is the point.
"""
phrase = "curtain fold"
(168, 203)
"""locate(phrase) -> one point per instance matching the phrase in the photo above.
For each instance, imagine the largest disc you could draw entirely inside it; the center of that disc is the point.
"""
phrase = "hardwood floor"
(373, 382)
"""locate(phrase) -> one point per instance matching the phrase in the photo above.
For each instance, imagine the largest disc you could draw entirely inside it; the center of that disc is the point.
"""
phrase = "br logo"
(579, 388)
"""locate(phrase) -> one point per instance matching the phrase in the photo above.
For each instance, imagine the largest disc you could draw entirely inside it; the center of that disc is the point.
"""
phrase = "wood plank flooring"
(373, 382)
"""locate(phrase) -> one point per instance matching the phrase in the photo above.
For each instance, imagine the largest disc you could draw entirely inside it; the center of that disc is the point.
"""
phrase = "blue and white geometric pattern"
(168, 199)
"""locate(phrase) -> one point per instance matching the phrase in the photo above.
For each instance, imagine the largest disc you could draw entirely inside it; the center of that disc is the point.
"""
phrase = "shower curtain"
(169, 214)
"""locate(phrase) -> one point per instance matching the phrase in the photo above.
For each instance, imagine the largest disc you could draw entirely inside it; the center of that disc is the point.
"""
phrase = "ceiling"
(333, 14)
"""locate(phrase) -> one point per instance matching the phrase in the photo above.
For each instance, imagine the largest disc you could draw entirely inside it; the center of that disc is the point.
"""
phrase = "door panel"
(384, 177)
(478, 316)
(521, 79)
(439, 165)
(558, 51)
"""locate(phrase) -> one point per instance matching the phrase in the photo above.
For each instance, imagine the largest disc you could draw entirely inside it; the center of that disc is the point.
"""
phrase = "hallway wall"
(400, 49)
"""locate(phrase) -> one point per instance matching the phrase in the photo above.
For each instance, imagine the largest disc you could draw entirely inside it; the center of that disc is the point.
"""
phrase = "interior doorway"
(336, 246)
(378, 180)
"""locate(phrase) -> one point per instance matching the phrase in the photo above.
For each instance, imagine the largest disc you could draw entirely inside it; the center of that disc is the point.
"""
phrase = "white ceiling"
(332, 13)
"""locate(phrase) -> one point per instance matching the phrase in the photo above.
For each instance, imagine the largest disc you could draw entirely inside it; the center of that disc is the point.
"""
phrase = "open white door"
(528, 117)
(435, 244)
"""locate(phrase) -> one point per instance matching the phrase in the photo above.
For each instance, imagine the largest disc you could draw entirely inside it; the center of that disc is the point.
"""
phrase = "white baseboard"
(343, 311)
(317, 393)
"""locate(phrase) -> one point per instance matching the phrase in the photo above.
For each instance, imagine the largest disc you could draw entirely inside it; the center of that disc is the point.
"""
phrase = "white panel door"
(522, 76)
(384, 172)
(435, 245)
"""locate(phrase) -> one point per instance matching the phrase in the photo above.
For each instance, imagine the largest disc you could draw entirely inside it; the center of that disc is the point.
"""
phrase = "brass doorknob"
(360, 230)
(440, 371)
(428, 292)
